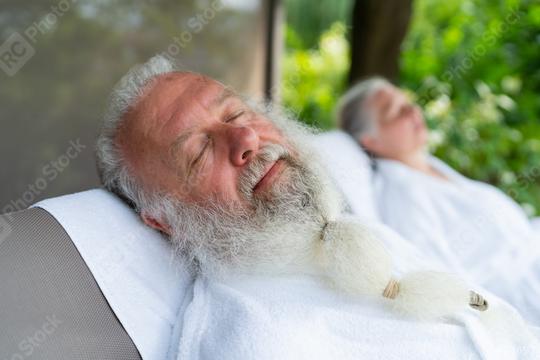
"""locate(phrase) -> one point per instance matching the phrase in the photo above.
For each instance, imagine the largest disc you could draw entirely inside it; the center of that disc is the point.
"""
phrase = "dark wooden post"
(378, 29)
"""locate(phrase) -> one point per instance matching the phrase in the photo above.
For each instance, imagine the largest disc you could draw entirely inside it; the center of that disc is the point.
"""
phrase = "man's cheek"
(222, 181)
(266, 128)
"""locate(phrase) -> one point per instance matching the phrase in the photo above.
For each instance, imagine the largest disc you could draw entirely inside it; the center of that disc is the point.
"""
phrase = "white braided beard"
(276, 235)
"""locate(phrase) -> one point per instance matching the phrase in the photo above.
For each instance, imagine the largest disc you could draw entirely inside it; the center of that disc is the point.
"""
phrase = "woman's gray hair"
(113, 171)
(352, 115)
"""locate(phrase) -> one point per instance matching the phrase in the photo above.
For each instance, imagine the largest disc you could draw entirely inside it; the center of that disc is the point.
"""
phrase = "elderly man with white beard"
(249, 209)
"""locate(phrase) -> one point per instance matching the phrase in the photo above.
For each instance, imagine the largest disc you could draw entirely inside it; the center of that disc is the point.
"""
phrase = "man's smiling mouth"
(270, 175)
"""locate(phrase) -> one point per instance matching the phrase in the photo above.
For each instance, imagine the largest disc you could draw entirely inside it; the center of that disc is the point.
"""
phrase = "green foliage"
(310, 18)
(474, 67)
(313, 79)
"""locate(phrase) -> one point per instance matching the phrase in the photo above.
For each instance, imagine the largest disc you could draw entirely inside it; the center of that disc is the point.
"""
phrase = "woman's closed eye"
(405, 110)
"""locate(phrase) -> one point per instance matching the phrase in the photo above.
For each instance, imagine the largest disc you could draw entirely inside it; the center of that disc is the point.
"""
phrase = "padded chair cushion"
(134, 266)
(51, 307)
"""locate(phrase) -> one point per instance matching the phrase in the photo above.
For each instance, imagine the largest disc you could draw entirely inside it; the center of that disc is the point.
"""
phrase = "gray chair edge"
(51, 307)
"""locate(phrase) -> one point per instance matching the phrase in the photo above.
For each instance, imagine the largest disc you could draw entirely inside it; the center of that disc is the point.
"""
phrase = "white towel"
(131, 263)
(535, 224)
(350, 168)
(297, 317)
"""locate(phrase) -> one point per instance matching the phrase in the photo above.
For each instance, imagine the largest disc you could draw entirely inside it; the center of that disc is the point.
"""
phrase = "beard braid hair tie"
(357, 263)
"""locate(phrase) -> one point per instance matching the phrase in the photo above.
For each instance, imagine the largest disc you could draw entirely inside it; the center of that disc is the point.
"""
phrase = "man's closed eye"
(234, 116)
(195, 163)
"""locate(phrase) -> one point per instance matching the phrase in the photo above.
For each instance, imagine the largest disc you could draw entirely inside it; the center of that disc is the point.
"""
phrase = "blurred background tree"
(376, 33)
(473, 65)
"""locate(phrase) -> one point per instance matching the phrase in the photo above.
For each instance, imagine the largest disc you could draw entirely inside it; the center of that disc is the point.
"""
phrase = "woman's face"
(400, 128)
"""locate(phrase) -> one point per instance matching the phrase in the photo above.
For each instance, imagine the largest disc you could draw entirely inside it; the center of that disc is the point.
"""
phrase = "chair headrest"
(133, 265)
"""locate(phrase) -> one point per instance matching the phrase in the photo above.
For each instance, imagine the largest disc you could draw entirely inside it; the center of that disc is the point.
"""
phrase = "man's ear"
(155, 224)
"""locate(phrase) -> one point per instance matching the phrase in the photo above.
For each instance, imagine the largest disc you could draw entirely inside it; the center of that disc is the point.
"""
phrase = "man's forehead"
(187, 89)
(184, 95)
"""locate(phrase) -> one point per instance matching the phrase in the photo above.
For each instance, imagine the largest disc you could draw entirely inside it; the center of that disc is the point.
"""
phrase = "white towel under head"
(131, 263)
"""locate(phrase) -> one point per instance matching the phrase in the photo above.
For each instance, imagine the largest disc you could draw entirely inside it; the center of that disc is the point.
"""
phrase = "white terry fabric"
(350, 168)
(405, 256)
(535, 223)
(132, 264)
(294, 317)
(471, 227)
(297, 317)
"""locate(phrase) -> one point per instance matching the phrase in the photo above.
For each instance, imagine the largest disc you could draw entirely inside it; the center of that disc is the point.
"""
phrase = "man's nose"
(244, 143)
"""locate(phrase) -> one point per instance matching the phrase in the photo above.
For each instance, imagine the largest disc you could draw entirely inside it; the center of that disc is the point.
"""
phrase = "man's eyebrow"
(223, 96)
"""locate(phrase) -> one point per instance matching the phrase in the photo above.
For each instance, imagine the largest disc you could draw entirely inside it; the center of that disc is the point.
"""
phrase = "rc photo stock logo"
(14, 53)
(17, 49)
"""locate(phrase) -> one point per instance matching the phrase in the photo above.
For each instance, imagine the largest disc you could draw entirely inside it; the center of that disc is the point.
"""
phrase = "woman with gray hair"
(471, 227)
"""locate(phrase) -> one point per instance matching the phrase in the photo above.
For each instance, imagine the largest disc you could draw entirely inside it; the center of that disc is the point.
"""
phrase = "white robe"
(297, 317)
(471, 227)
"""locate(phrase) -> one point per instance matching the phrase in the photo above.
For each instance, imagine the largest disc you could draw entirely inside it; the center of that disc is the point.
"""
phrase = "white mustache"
(256, 168)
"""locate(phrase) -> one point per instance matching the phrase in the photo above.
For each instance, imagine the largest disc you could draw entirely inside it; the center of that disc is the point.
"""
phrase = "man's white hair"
(112, 168)
(352, 114)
